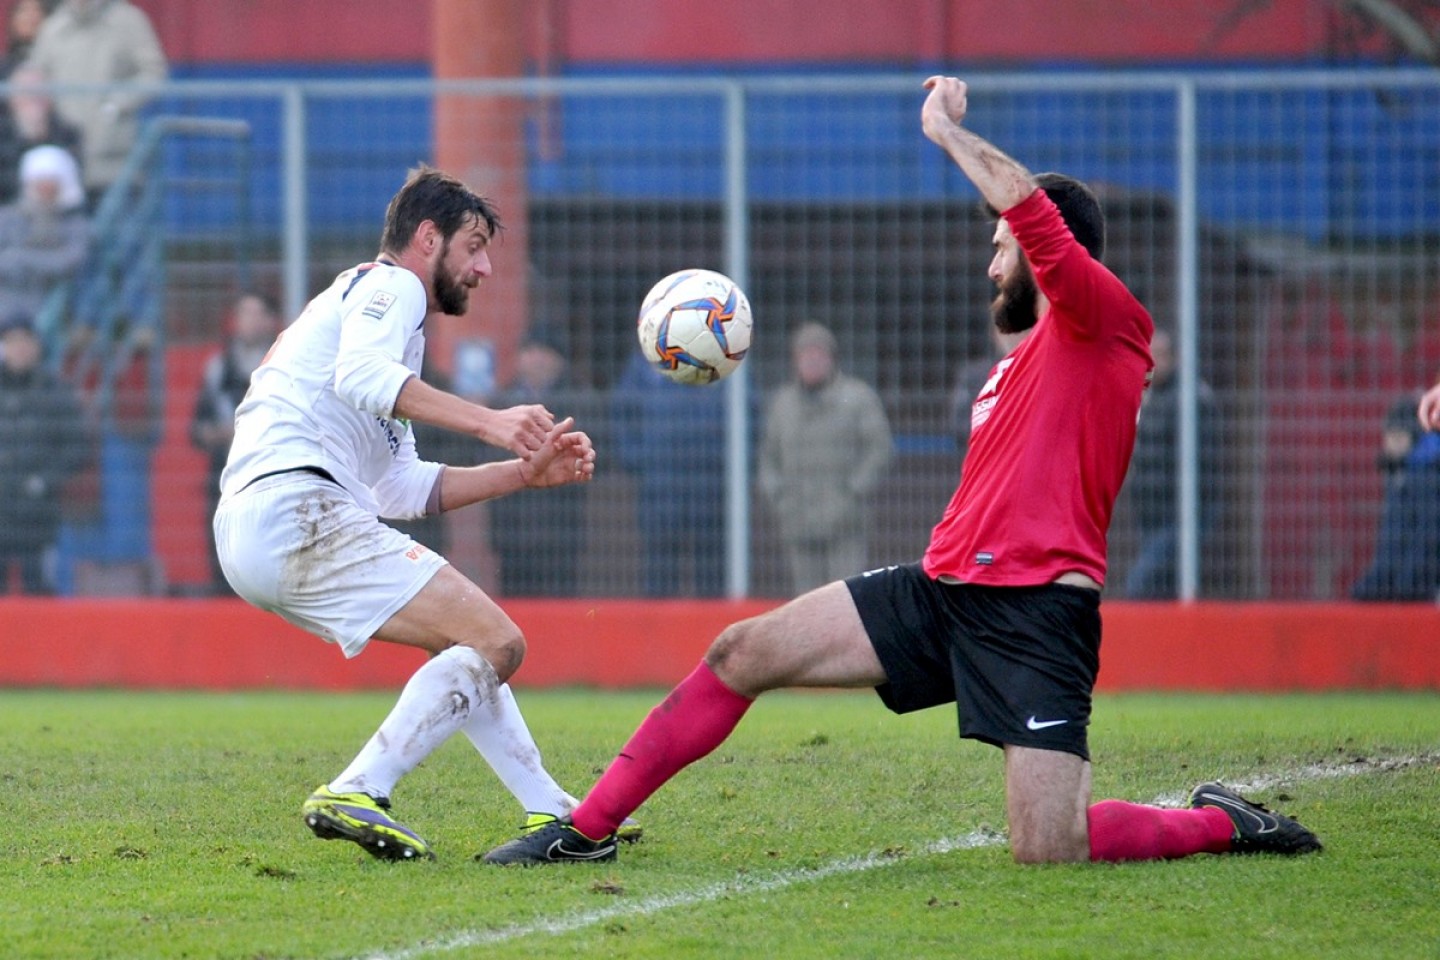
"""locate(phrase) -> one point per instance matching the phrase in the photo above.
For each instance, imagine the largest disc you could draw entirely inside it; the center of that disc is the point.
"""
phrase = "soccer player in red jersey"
(1002, 616)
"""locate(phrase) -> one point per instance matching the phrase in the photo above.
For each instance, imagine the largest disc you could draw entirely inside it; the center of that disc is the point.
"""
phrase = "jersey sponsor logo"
(980, 412)
(993, 384)
(988, 396)
(380, 301)
(391, 437)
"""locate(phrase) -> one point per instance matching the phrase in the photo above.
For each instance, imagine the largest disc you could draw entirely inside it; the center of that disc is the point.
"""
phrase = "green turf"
(167, 825)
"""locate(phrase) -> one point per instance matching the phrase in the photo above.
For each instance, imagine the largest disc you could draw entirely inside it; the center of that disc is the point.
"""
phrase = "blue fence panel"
(1315, 162)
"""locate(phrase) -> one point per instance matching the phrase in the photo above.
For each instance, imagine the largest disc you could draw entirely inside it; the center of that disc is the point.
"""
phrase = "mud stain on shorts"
(328, 541)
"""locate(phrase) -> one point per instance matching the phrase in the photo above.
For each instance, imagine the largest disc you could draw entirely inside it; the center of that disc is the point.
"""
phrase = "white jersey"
(325, 395)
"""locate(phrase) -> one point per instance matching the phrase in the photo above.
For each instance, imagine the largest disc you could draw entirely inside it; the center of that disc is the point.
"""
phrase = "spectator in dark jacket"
(1153, 484)
(43, 442)
(671, 438)
(539, 539)
(1406, 566)
(254, 324)
(29, 120)
(22, 26)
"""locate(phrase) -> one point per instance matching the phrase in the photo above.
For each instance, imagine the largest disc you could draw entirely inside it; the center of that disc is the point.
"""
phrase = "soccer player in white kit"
(323, 448)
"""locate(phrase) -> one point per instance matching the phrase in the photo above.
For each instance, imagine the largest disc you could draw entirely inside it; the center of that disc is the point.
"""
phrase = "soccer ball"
(694, 326)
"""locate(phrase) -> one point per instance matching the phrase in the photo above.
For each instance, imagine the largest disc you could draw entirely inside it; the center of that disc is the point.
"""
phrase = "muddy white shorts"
(297, 544)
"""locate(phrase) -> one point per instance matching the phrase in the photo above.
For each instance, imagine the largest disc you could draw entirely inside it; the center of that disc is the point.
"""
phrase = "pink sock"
(694, 719)
(1132, 831)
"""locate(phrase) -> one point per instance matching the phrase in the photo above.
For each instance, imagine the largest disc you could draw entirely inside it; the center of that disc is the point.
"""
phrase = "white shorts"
(299, 545)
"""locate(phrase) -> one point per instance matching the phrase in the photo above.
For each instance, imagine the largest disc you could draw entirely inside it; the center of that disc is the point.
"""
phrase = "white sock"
(500, 734)
(438, 700)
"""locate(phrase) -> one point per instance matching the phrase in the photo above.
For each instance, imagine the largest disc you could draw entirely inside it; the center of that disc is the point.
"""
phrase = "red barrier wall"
(686, 32)
(226, 645)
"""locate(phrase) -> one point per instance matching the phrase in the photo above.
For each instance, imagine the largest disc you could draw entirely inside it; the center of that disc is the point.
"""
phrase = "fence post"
(1187, 274)
(737, 266)
(295, 240)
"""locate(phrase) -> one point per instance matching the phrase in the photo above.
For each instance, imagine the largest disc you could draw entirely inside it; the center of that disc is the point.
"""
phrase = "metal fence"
(1284, 228)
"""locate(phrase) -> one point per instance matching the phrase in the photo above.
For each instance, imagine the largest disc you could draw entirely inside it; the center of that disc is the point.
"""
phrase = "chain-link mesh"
(1311, 285)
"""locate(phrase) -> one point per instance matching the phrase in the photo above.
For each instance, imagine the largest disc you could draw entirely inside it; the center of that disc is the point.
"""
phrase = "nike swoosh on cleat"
(1034, 724)
(566, 854)
(1266, 824)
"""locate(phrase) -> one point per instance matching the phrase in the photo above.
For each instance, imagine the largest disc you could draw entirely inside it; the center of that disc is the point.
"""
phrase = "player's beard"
(1013, 308)
(452, 295)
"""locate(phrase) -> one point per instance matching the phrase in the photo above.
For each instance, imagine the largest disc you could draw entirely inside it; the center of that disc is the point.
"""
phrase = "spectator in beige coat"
(825, 448)
(100, 42)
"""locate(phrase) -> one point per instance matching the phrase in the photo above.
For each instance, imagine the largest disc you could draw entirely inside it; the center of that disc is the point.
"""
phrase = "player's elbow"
(349, 384)
(366, 384)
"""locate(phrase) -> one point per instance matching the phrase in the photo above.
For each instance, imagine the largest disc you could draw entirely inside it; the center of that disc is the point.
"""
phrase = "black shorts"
(1018, 662)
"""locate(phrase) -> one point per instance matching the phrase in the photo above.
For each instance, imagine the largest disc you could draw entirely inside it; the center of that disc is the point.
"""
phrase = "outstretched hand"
(522, 430)
(566, 456)
(945, 107)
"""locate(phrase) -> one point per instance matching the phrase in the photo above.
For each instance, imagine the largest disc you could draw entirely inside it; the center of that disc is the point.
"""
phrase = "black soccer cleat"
(554, 842)
(629, 831)
(1257, 829)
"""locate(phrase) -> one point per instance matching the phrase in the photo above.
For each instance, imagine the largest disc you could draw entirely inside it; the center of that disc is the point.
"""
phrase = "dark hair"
(430, 194)
(265, 300)
(1079, 208)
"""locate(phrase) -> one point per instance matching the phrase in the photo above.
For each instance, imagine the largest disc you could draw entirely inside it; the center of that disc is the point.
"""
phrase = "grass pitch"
(167, 825)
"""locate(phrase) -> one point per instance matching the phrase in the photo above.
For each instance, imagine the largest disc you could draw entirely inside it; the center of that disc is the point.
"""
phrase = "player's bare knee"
(503, 648)
(738, 657)
(509, 653)
(727, 650)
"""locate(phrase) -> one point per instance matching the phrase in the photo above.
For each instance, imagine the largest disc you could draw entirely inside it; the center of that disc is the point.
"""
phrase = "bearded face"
(1013, 308)
(451, 294)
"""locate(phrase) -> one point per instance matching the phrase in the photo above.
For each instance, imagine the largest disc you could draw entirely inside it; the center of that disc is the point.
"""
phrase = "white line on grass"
(1333, 770)
(741, 886)
(764, 883)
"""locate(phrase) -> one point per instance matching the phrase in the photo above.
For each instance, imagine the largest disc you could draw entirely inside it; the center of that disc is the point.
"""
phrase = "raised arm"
(1001, 180)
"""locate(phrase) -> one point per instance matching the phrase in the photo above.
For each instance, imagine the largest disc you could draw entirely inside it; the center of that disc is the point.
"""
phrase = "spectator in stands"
(100, 42)
(1406, 566)
(825, 448)
(254, 324)
(1153, 484)
(43, 442)
(671, 437)
(29, 120)
(21, 28)
(45, 234)
(539, 539)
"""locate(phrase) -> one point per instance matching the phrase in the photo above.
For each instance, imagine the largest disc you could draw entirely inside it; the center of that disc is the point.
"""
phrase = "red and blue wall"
(224, 644)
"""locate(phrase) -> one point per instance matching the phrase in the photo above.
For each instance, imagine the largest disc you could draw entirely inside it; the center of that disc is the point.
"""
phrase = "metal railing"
(115, 308)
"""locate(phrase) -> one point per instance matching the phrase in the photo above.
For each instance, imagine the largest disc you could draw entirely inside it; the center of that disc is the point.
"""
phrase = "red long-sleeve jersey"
(1053, 428)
